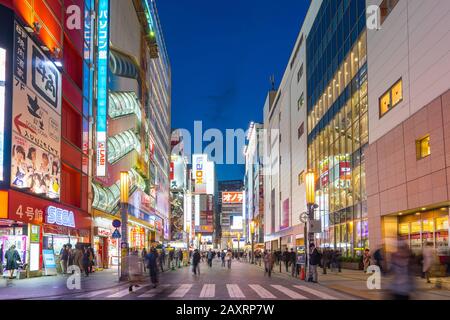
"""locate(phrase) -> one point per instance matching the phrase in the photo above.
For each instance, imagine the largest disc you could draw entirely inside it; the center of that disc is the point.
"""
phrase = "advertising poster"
(34, 169)
(49, 262)
(36, 145)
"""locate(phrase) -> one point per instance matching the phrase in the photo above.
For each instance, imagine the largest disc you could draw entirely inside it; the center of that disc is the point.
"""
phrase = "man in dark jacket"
(64, 257)
(196, 262)
(286, 259)
(152, 266)
(314, 260)
(293, 261)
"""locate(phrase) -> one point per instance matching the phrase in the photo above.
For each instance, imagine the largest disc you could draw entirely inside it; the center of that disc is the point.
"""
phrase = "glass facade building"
(338, 123)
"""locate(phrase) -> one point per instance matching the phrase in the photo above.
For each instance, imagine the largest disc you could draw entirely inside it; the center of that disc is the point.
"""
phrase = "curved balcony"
(121, 144)
(122, 65)
(123, 104)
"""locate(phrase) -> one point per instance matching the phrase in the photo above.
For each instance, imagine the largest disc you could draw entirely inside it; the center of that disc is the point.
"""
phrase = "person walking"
(428, 260)
(268, 263)
(86, 261)
(91, 259)
(196, 262)
(210, 258)
(366, 259)
(293, 262)
(402, 283)
(162, 259)
(134, 269)
(228, 258)
(152, 266)
(63, 257)
(286, 259)
(171, 258)
(78, 257)
(314, 260)
(144, 257)
(12, 260)
(378, 256)
(325, 260)
(222, 256)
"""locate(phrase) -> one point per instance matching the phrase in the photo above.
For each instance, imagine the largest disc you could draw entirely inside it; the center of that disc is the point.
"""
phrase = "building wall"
(414, 45)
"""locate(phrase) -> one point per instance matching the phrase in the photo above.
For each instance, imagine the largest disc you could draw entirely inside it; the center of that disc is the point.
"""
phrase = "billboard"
(102, 84)
(177, 172)
(2, 107)
(199, 171)
(236, 222)
(232, 197)
(36, 127)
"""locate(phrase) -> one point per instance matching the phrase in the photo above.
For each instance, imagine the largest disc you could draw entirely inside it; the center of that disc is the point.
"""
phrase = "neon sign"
(60, 217)
(102, 84)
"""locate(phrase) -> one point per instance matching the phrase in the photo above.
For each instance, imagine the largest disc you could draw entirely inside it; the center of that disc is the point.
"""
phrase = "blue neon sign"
(102, 84)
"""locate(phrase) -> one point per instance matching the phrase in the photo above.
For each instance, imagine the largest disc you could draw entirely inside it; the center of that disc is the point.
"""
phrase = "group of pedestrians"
(81, 256)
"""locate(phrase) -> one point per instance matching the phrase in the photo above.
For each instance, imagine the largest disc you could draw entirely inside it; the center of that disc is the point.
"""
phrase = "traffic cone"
(302, 274)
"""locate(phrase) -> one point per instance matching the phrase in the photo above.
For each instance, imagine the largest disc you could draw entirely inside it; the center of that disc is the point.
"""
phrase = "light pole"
(310, 200)
(239, 240)
(124, 192)
(252, 234)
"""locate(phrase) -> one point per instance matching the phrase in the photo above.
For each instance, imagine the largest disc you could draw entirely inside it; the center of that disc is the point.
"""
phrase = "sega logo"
(60, 217)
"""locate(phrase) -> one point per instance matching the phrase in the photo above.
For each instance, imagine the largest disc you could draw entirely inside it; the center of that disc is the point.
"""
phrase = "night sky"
(222, 54)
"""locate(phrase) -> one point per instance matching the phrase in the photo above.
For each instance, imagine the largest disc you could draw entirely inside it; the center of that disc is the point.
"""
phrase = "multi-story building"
(44, 167)
(408, 158)
(337, 104)
(231, 211)
(131, 129)
(285, 144)
(254, 183)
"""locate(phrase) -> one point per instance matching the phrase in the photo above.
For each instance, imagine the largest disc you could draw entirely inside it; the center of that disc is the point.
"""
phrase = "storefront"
(34, 225)
(426, 227)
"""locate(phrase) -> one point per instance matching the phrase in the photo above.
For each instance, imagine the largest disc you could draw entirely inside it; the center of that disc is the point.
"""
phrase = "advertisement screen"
(36, 145)
(2, 107)
(199, 172)
(236, 222)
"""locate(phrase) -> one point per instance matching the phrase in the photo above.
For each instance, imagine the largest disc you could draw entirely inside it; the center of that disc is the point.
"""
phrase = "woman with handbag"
(12, 260)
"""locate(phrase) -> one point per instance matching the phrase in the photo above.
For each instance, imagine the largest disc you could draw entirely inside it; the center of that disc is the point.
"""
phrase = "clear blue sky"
(222, 54)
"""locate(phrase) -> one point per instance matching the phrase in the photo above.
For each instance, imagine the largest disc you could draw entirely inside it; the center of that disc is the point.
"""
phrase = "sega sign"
(60, 217)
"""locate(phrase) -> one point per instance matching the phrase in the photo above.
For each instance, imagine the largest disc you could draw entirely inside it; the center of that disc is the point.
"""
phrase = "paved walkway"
(354, 282)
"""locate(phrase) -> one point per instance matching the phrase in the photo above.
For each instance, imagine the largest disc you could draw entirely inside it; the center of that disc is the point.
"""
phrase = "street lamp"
(124, 193)
(252, 233)
(310, 200)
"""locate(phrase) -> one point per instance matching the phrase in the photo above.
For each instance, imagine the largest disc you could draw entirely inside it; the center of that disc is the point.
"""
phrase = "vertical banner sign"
(36, 115)
(102, 84)
(2, 107)
(199, 164)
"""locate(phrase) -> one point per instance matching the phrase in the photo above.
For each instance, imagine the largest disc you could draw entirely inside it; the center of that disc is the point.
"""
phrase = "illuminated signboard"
(232, 197)
(2, 107)
(102, 84)
(60, 217)
(199, 165)
(36, 119)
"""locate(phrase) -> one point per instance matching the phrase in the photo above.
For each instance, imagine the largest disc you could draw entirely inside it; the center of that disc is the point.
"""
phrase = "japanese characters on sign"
(2, 107)
(36, 121)
(30, 214)
(232, 197)
(102, 84)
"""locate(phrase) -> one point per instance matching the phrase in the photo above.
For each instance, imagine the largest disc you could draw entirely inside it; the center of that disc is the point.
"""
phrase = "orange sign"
(232, 197)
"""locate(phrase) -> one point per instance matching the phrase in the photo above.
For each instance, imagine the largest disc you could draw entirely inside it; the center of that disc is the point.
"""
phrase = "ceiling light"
(400, 213)
(423, 209)
(418, 214)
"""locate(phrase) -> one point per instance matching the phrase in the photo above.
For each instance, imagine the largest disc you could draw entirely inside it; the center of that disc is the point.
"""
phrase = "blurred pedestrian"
(314, 260)
(196, 262)
(366, 259)
(428, 260)
(268, 263)
(162, 259)
(378, 256)
(293, 262)
(12, 260)
(144, 256)
(325, 261)
(402, 283)
(228, 258)
(210, 258)
(91, 259)
(86, 261)
(222, 256)
(63, 258)
(286, 259)
(152, 266)
(171, 257)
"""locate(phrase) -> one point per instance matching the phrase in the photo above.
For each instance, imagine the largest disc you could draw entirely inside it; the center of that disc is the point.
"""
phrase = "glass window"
(397, 93)
(423, 147)
(364, 129)
(391, 98)
(385, 103)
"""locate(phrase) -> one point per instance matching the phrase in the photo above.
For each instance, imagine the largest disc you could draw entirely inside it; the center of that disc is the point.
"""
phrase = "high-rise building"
(231, 212)
(131, 128)
(44, 132)
(408, 159)
(254, 183)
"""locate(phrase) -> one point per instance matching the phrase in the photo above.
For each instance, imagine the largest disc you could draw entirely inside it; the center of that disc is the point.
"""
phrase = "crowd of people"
(82, 256)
